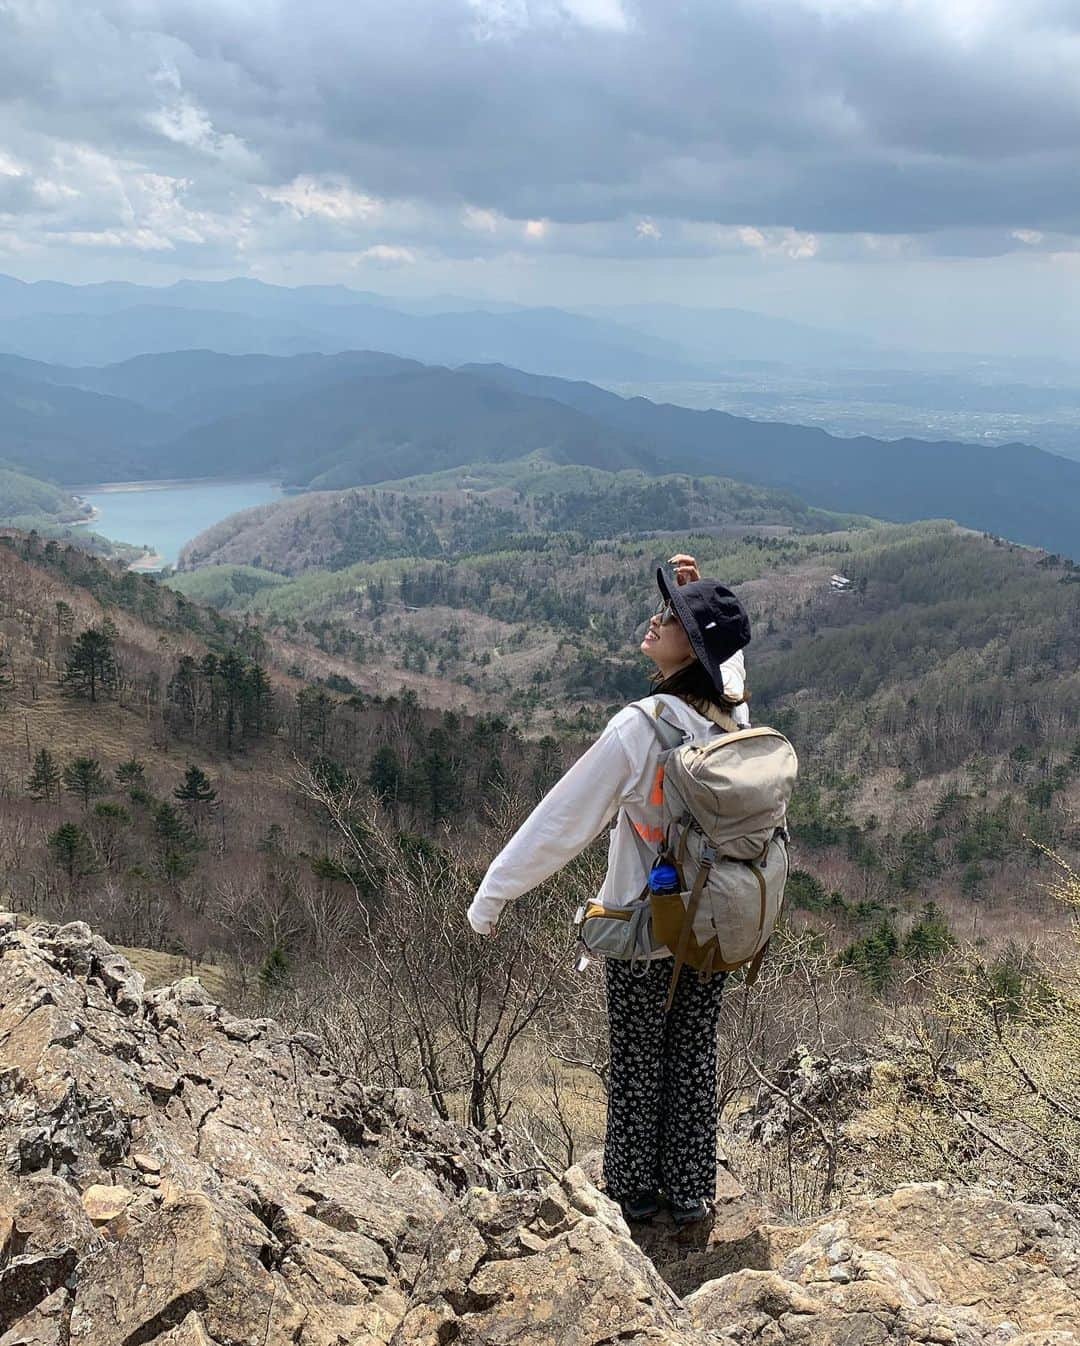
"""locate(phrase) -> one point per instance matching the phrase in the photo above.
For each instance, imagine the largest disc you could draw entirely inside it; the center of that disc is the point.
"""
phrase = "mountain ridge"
(361, 417)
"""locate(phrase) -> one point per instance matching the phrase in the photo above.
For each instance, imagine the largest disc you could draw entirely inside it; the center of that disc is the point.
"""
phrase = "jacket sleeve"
(569, 816)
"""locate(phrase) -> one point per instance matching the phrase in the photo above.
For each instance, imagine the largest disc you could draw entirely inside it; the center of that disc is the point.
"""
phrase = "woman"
(661, 1123)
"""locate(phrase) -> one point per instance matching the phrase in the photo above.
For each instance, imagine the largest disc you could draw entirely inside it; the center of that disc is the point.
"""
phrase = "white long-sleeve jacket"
(620, 774)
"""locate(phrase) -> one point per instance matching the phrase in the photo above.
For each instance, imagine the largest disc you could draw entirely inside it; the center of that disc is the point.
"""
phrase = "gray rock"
(270, 1199)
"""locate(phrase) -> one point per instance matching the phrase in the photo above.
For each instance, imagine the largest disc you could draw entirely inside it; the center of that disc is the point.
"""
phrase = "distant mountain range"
(364, 417)
(99, 324)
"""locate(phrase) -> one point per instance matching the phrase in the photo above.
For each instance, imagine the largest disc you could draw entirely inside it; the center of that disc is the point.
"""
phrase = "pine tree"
(196, 787)
(84, 777)
(91, 666)
(65, 618)
(313, 710)
(71, 850)
(176, 841)
(7, 673)
(274, 973)
(171, 830)
(231, 680)
(385, 776)
(258, 701)
(131, 772)
(44, 779)
(439, 778)
(929, 936)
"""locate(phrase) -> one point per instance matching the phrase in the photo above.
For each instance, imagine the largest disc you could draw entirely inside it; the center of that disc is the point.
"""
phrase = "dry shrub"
(996, 1061)
(425, 1002)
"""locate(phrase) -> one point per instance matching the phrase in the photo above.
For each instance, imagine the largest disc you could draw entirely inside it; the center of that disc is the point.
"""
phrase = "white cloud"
(479, 220)
(510, 18)
(647, 229)
(536, 229)
(186, 124)
(11, 167)
(386, 254)
(791, 243)
(598, 13)
(142, 240)
(325, 198)
(1032, 237)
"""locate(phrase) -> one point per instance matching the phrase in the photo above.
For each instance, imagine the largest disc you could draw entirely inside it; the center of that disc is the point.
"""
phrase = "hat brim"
(708, 661)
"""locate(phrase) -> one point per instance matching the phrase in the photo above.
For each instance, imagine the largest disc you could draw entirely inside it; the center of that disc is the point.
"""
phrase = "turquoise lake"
(164, 517)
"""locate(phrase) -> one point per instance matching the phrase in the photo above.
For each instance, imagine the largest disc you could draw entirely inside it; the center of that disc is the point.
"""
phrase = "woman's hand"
(480, 921)
(686, 570)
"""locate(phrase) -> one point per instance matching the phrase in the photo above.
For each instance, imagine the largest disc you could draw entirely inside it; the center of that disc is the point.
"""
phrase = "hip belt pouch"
(622, 933)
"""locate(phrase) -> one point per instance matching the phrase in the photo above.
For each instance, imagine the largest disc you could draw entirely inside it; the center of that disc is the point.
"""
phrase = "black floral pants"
(661, 1118)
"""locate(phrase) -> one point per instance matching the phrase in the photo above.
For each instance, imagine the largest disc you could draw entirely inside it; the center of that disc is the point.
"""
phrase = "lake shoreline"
(160, 517)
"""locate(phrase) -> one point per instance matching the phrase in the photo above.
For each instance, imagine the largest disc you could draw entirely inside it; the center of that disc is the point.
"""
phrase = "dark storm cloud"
(831, 116)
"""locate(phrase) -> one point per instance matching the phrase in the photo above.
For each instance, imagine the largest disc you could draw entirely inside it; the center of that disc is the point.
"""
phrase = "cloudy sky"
(907, 167)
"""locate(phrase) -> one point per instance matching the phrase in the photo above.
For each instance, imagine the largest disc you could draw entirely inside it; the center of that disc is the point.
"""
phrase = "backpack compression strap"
(707, 857)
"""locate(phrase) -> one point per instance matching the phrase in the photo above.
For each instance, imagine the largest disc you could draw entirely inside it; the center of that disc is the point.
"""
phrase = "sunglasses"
(666, 613)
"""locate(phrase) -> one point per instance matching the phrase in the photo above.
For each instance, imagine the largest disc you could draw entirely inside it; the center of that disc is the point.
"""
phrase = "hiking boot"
(640, 1206)
(690, 1212)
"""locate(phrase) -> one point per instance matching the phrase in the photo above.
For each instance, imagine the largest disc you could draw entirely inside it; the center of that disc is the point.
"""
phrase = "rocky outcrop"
(175, 1176)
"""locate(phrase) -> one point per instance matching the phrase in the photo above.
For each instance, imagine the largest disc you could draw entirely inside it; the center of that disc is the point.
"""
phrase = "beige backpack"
(725, 806)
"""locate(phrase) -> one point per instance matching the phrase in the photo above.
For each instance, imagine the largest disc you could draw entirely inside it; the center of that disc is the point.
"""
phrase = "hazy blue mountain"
(72, 436)
(1015, 490)
(377, 428)
(101, 324)
(363, 417)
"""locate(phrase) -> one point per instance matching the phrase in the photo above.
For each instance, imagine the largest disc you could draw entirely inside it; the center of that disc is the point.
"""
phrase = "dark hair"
(694, 685)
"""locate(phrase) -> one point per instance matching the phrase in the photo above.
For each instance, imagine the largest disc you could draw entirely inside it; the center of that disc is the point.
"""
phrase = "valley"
(300, 743)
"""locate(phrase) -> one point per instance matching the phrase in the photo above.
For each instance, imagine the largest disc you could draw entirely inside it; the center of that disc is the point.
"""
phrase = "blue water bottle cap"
(664, 878)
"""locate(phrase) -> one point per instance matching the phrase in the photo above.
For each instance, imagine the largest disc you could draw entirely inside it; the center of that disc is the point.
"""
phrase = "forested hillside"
(269, 796)
(936, 704)
(26, 502)
(358, 418)
(148, 746)
(457, 513)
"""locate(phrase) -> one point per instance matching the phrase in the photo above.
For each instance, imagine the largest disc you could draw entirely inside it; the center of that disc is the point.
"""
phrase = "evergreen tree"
(195, 788)
(929, 936)
(131, 772)
(65, 618)
(385, 775)
(91, 666)
(44, 779)
(7, 673)
(171, 831)
(872, 956)
(274, 973)
(231, 682)
(258, 701)
(438, 778)
(176, 841)
(84, 777)
(313, 711)
(71, 850)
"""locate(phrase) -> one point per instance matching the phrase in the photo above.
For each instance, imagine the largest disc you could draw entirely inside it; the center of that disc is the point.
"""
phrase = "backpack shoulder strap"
(670, 734)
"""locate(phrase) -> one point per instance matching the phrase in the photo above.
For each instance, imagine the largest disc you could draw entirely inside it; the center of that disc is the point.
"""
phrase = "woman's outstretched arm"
(572, 813)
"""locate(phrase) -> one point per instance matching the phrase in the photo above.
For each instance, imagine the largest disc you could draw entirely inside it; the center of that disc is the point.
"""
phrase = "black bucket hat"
(714, 620)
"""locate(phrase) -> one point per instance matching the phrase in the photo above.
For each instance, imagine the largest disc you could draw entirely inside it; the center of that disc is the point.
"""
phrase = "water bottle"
(663, 877)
